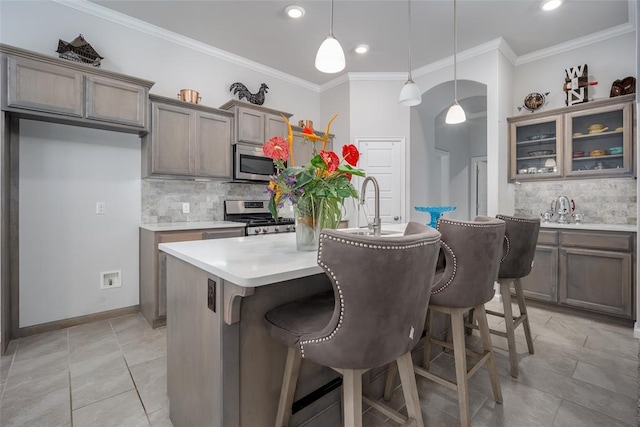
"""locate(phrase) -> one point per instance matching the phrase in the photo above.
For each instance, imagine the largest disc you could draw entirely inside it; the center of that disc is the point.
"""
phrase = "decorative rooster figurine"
(243, 92)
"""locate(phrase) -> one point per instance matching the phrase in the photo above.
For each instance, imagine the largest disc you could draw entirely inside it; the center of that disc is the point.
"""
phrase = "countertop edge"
(591, 227)
(199, 225)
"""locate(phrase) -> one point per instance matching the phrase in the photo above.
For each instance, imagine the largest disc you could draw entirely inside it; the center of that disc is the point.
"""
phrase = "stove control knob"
(291, 227)
(265, 230)
(276, 229)
(257, 230)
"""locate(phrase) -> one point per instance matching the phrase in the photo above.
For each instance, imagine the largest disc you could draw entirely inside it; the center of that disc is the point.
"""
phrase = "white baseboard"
(497, 298)
(636, 330)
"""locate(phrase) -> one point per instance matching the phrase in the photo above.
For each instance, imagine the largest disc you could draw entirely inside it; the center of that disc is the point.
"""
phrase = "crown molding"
(127, 21)
(603, 35)
(341, 79)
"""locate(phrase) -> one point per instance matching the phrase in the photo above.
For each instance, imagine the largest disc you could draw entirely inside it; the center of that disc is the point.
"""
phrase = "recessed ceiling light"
(361, 48)
(551, 4)
(294, 11)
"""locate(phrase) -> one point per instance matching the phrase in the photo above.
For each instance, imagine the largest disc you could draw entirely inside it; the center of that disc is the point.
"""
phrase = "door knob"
(395, 218)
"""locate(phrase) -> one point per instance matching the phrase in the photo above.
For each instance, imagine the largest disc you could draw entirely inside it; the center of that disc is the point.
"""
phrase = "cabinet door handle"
(395, 218)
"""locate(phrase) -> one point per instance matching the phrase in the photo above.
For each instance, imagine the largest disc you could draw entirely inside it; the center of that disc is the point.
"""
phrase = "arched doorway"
(438, 146)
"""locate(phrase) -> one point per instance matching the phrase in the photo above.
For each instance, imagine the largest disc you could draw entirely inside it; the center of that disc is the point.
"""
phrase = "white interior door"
(441, 178)
(478, 202)
(383, 158)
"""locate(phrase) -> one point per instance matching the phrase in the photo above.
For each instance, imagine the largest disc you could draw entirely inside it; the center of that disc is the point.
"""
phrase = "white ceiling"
(260, 31)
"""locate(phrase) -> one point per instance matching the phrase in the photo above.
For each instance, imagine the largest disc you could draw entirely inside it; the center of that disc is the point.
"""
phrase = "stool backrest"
(382, 287)
(519, 248)
(469, 261)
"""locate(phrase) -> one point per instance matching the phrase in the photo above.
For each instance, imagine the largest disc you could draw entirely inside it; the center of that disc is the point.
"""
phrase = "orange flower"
(350, 154)
(307, 130)
(276, 148)
(331, 160)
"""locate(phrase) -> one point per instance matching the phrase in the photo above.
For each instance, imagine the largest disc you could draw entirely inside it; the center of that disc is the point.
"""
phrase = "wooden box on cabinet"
(559, 143)
(153, 285)
(256, 124)
(187, 140)
(47, 88)
(591, 270)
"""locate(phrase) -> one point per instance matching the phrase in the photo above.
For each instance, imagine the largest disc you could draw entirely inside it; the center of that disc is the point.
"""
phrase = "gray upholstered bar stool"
(467, 269)
(381, 288)
(520, 239)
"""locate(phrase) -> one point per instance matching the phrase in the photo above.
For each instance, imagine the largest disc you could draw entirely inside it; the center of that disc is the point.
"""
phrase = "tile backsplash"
(601, 201)
(162, 199)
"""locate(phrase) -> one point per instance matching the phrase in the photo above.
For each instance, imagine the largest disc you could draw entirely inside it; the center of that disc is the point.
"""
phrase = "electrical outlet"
(101, 208)
(185, 208)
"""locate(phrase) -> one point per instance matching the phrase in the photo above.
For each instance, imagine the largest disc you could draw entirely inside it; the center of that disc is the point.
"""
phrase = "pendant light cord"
(331, 21)
(455, 52)
(409, 8)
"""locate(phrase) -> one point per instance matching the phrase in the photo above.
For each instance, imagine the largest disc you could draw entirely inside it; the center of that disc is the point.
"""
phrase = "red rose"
(276, 148)
(330, 159)
(308, 130)
(350, 154)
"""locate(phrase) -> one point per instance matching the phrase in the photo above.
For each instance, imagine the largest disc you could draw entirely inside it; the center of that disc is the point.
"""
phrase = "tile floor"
(113, 373)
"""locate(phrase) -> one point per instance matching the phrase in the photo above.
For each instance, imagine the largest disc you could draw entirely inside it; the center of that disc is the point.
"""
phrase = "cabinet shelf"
(608, 156)
(597, 135)
(536, 142)
(546, 156)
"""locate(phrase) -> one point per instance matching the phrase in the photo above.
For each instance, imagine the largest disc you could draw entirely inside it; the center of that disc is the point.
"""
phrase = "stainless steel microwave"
(251, 164)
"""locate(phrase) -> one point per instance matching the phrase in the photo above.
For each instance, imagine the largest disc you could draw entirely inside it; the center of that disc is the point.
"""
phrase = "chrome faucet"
(377, 224)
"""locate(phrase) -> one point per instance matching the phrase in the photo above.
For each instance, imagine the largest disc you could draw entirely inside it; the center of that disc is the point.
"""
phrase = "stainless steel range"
(255, 214)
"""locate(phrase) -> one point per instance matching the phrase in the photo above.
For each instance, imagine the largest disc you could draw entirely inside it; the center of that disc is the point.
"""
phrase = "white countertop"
(252, 260)
(176, 226)
(593, 227)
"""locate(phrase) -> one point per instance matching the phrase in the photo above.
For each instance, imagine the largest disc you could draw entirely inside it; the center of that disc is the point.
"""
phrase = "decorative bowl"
(615, 150)
(435, 212)
(540, 153)
(541, 136)
(579, 153)
(596, 153)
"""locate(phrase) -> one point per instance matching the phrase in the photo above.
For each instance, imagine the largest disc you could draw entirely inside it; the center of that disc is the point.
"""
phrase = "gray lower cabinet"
(48, 88)
(153, 267)
(591, 270)
(187, 140)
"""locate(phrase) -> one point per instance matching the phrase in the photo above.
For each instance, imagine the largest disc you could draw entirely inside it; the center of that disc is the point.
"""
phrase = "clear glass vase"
(312, 214)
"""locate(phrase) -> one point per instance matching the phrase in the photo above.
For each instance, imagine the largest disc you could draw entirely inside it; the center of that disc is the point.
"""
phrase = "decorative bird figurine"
(243, 92)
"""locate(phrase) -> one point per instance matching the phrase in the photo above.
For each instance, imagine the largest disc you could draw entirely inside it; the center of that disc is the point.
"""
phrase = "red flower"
(350, 154)
(308, 130)
(276, 148)
(330, 159)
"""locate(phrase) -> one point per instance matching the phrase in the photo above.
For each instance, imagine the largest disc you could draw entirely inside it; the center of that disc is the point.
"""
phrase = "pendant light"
(456, 113)
(330, 56)
(410, 94)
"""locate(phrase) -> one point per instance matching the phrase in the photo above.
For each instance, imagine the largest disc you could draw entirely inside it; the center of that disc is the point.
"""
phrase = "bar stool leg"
(289, 381)
(410, 389)
(459, 353)
(509, 326)
(390, 382)
(352, 396)
(523, 312)
(481, 315)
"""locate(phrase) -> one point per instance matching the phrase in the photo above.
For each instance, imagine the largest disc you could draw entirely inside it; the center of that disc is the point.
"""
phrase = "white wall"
(608, 60)
(64, 244)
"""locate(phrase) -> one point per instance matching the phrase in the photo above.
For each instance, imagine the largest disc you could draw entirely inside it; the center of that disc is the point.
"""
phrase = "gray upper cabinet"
(590, 140)
(39, 86)
(303, 150)
(187, 140)
(256, 124)
(42, 87)
(116, 102)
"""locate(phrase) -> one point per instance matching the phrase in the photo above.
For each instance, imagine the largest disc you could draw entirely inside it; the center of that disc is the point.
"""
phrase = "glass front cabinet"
(594, 139)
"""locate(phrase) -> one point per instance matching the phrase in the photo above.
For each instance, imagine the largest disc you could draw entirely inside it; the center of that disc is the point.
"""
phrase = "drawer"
(179, 237)
(598, 240)
(547, 237)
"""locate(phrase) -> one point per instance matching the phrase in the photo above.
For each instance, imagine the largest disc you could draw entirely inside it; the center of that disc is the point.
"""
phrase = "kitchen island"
(223, 369)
